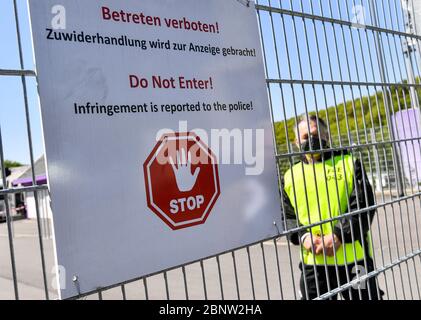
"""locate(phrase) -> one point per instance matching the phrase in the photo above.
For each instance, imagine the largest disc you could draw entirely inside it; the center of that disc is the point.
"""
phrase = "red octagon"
(181, 180)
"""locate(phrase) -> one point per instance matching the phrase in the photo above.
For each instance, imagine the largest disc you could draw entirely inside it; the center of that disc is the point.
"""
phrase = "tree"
(12, 164)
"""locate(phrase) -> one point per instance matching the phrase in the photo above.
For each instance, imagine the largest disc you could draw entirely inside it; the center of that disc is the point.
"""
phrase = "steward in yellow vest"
(323, 186)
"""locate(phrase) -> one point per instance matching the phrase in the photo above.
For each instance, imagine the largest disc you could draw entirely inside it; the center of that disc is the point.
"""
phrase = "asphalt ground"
(396, 232)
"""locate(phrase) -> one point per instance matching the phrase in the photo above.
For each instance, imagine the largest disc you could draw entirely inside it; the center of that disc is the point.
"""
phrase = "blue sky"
(12, 112)
(306, 62)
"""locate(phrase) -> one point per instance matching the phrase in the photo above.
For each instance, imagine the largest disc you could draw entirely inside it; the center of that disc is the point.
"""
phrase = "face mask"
(314, 142)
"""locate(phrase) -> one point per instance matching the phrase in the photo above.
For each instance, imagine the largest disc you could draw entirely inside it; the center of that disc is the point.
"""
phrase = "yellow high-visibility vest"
(318, 192)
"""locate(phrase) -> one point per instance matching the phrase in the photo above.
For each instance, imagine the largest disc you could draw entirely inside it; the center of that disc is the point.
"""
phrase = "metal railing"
(320, 57)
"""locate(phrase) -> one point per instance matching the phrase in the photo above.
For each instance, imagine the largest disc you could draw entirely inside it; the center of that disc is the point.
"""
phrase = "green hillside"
(356, 113)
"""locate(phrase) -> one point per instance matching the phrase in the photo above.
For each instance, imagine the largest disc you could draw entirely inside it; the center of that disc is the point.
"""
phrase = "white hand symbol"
(182, 172)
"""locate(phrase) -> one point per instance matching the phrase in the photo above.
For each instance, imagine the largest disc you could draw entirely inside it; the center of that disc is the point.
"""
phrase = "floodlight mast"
(410, 50)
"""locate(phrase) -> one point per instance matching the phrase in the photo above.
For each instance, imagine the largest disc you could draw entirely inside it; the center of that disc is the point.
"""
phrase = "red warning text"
(159, 82)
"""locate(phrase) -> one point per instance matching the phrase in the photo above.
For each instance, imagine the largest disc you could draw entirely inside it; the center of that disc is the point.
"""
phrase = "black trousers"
(366, 291)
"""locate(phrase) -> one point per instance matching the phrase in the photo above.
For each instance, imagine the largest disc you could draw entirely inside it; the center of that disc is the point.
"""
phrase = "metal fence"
(355, 64)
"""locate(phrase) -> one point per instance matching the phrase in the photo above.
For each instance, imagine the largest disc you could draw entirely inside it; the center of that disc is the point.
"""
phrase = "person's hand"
(309, 246)
(331, 243)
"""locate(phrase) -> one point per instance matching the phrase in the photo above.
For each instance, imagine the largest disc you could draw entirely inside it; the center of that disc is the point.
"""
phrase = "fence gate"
(354, 64)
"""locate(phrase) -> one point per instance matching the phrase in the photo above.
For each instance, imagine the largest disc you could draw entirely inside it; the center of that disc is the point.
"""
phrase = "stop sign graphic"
(181, 180)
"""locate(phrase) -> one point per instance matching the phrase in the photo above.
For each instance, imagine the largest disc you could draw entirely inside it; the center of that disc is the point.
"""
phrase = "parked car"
(12, 207)
(2, 211)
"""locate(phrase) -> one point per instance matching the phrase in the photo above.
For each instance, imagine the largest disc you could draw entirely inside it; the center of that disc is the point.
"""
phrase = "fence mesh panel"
(356, 65)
